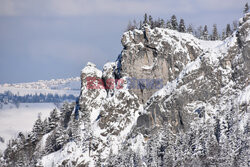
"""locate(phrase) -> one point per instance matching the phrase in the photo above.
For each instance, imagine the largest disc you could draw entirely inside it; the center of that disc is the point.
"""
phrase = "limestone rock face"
(241, 65)
(155, 54)
(222, 71)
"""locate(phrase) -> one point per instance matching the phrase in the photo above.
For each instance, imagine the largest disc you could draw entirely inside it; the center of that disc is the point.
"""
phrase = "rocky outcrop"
(152, 55)
(222, 71)
(169, 100)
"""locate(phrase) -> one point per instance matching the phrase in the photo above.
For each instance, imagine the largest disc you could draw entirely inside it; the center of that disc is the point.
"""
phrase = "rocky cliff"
(170, 99)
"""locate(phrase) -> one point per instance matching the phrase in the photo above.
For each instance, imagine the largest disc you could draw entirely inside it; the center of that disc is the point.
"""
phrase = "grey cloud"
(116, 7)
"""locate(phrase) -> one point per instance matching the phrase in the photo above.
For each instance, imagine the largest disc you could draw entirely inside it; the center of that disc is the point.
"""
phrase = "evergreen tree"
(152, 145)
(145, 21)
(169, 25)
(53, 118)
(150, 21)
(198, 32)
(182, 27)
(215, 33)
(66, 112)
(140, 25)
(45, 126)
(37, 130)
(205, 33)
(50, 145)
(246, 9)
(190, 29)
(217, 130)
(235, 25)
(157, 23)
(61, 138)
(174, 23)
(228, 30)
(223, 35)
(162, 23)
(135, 24)
(129, 26)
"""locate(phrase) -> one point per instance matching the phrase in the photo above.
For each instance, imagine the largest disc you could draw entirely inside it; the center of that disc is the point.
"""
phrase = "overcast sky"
(46, 39)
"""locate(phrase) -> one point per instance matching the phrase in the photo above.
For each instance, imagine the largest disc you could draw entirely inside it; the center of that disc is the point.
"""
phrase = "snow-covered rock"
(199, 117)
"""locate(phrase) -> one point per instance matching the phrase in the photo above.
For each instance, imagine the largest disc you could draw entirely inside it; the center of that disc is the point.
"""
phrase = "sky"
(51, 39)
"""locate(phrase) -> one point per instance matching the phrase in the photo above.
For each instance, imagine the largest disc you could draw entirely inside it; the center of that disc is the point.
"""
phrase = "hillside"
(170, 99)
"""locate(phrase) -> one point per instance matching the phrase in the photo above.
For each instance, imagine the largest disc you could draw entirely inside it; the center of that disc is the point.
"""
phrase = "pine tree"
(215, 33)
(129, 26)
(152, 145)
(246, 9)
(61, 138)
(235, 25)
(217, 130)
(145, 21)
(182, 27)
(20, 140)
(150, 21)
(228, 30)
(190, 29)
(140, 25)
(157, 23)
(37, 130)
(162, 23)
(50, 145)
(205, 33)
(53, 119)
(66, 112)
(174, 23)
(169, 25)
(198, 32)
(223, 35)
(45, 126)
(135, 26)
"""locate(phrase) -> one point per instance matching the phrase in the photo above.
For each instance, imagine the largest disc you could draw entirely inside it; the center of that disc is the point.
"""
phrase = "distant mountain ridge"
(55, 90)
(54, 84)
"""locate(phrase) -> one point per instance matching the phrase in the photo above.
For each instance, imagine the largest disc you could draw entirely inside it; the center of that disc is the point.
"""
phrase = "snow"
(147, 67)
(42, 142)
(171, 86)
(14, 120)
(54, 86)
(213, 51)
(244, 97)
(91, 69)
(31, 91)
(71, 150)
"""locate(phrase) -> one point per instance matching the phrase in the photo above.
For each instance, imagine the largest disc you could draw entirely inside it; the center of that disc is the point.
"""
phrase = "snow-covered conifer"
(182, 27)
(174, 22)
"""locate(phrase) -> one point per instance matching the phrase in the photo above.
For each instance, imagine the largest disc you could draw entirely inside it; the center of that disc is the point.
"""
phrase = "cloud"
(91, 7)
(214, 5)
(113, 7)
